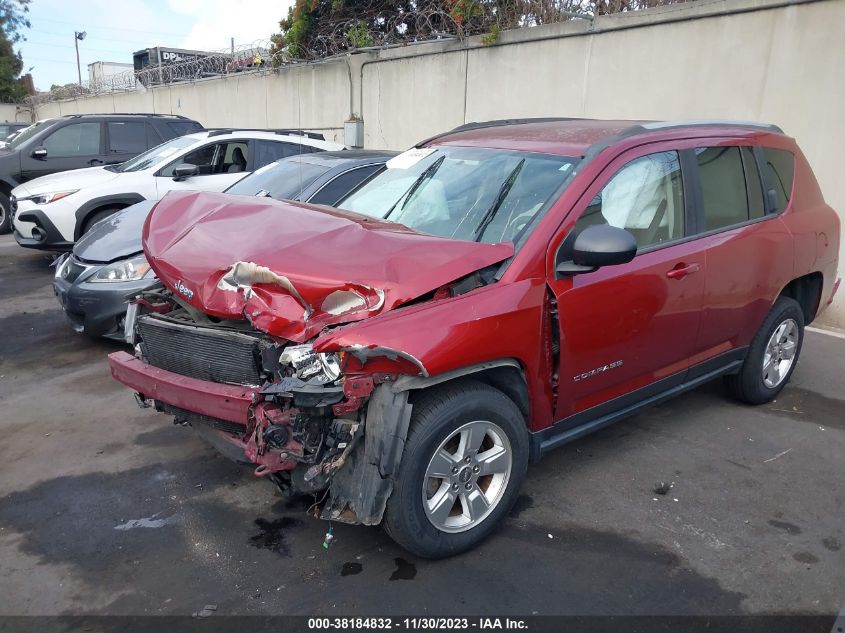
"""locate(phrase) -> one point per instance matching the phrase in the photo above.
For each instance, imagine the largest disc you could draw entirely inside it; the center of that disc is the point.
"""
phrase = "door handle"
(682, 270)
(95, 161)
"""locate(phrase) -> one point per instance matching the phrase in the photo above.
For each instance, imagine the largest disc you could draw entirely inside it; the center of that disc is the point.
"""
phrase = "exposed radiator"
(201, 352)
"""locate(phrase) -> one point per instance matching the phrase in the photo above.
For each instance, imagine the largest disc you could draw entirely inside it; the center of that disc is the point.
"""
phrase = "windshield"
(28, 133)
(156, 155)
(467, 193)
(284, 179)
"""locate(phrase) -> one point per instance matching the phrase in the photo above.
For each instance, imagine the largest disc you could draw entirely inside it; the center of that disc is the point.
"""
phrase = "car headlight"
(308, 364)
(47, 198)
(124, 270)
(61, 264)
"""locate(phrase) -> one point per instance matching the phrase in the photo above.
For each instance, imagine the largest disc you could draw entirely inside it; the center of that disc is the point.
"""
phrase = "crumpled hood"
(293, 268)
(65, 180)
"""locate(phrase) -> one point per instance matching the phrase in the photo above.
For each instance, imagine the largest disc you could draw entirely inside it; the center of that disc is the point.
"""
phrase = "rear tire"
(463, 464)
(772, 355)
(5, 215)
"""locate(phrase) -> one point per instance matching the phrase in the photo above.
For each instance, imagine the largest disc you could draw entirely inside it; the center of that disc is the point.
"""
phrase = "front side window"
(214, 158)
(645, 198)
(76, 139)
(465, 193)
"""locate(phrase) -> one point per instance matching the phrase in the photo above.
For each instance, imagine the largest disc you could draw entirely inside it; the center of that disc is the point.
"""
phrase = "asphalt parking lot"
(109, 509)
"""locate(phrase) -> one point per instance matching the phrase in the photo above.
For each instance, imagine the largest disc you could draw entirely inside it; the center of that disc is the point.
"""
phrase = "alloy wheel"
(467, 476)
(780, 353)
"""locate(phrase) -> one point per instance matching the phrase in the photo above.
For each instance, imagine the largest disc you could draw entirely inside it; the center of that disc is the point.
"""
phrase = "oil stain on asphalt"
(404, 570)
(272, 534)
(523, 502)
(351, 569)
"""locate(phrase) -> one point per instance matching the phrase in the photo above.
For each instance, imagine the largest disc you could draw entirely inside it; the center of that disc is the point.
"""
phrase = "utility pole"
(78, 37)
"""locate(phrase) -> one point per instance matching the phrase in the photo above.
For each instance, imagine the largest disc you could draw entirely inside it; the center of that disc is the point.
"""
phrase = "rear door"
(749, 250)
(74, 145)
(220, 165)
(633, 326)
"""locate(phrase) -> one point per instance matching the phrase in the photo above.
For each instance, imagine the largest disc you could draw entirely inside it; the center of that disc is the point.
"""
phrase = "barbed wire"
(373, 26)
(256, 56)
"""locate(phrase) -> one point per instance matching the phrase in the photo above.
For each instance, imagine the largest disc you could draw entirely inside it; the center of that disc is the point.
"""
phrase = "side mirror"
(185, 171)
(39, 152)
(596, 246)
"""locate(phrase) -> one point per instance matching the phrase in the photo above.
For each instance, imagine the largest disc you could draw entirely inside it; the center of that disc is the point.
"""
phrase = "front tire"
(463, 464)
(772, 356)
(92, 219)
(5, 214)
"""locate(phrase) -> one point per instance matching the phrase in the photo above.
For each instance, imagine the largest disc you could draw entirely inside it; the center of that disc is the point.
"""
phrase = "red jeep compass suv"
(493, 293)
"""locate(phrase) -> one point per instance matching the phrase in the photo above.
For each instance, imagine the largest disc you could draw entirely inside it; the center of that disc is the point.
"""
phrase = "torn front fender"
(499, 321)
(360, 490)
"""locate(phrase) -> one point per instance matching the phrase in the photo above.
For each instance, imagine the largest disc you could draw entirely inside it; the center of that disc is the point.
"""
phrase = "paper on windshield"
(408, 159)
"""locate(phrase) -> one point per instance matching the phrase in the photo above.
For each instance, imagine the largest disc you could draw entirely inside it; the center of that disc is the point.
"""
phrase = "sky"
(117, 28)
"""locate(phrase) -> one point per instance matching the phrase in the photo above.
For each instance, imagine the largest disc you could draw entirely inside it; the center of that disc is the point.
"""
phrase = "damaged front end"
(282, 407)
(238, 342)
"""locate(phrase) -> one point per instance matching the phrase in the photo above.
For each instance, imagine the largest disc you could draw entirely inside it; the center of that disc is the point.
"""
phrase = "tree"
(13, 20)
(318, 28)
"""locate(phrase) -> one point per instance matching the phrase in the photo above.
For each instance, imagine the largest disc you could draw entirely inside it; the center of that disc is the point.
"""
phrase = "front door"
(71, 146)
(633, 325)
(220, 166)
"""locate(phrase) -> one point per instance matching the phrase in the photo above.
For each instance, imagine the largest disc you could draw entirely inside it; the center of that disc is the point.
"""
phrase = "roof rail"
(651, 126)
(158, 114)
(479, 125)
(662, 125)
(219, 131)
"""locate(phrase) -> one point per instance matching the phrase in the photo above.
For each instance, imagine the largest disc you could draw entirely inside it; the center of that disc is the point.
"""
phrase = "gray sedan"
(108, 267)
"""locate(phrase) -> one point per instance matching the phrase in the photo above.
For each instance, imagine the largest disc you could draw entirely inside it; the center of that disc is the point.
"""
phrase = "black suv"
(81, 140)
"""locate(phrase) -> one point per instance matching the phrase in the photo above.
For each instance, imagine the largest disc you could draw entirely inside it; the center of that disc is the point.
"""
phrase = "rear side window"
(127, 137)
(753, 186)
(180, 128)
(153, 136)
(780, 170)
(76, 139)
(730, 186)
(267, 152)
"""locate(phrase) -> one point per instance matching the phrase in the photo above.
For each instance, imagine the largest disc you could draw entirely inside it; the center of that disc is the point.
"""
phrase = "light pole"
(78, 37)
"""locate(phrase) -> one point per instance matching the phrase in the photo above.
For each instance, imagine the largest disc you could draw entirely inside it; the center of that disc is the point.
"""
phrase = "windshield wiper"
(428, 173)
(504, 190)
